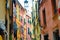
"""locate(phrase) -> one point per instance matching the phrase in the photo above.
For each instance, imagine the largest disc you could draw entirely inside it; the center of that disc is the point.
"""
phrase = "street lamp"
(26, 4)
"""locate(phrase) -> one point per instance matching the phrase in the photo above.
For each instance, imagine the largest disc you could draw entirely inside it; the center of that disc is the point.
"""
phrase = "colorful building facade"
(35, 20)
(20, 21)
(28, 26)
(23, 23)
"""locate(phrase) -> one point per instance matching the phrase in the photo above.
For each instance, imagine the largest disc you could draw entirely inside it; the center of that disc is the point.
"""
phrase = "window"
(36, 7)
(14, 10)
(56, 35)
(33, 17)
(34, 31)
(44, 16)
(24, 21)
(29, 21)
(28, 30)
(46, 37)
(21, 18)
(34, 23)
(54, 6)
(22, 30)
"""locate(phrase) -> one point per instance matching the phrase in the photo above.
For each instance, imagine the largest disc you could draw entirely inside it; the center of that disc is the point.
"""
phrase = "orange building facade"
(50, 24)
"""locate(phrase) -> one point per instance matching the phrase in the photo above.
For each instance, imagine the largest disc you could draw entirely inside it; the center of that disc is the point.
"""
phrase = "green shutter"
(10, 37)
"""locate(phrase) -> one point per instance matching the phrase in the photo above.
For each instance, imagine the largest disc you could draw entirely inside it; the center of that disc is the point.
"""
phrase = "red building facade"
(50, 24)
(22, 21)
(28, 26)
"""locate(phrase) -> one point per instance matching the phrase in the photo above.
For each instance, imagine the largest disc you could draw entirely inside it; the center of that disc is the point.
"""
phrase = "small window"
(44, 16)
(33, 17)
(29, 21)
(34, 31)
(24, 21)
(22, 30)
(34, 23)
(28, 30)
(21, 18)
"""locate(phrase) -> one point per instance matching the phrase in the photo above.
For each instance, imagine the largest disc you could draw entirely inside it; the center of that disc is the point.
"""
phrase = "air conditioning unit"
(2, 26)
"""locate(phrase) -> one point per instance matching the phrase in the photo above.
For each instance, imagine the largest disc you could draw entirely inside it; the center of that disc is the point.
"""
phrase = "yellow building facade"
(5, 12)
(17, 20)
(2, 10)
